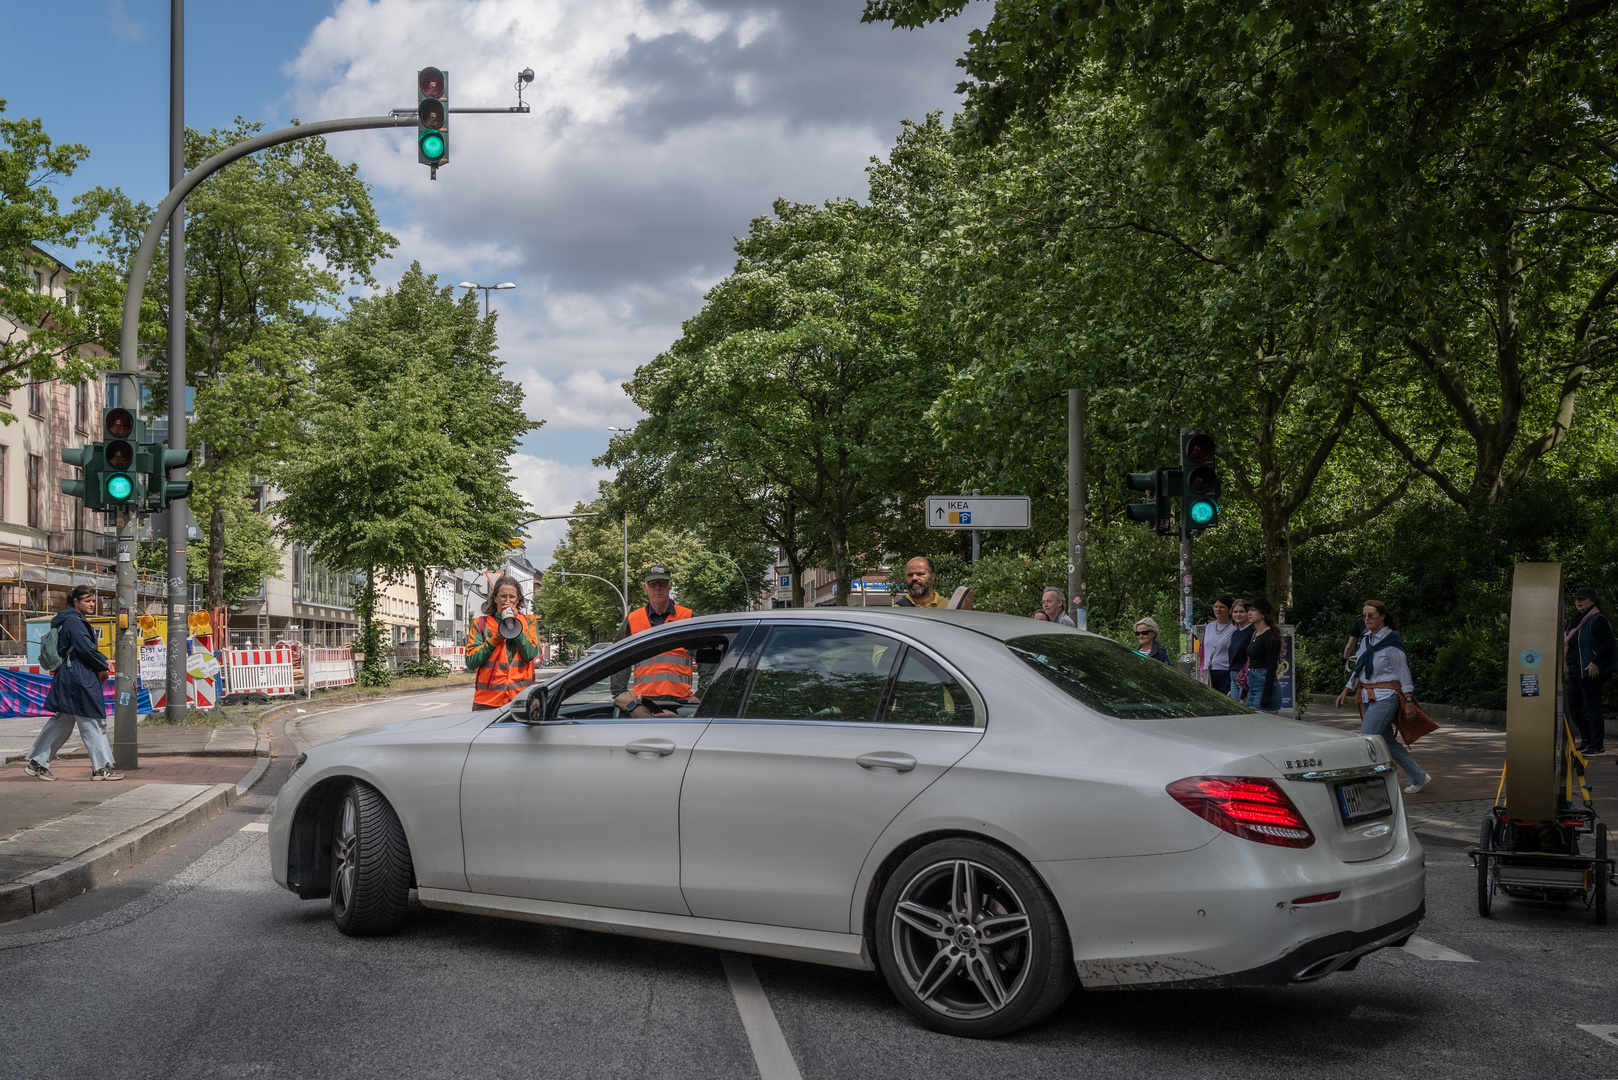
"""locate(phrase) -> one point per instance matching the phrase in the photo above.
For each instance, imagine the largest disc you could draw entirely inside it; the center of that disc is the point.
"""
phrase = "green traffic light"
(432, 144)
(119, 486)
(1203, 511)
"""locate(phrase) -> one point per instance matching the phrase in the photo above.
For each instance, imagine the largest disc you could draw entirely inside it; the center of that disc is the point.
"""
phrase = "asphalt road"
(196, 965)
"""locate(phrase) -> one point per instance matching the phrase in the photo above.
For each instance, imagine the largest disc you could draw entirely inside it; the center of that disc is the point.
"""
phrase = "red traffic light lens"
(1200, 448)
(120, 423)
(431, 82)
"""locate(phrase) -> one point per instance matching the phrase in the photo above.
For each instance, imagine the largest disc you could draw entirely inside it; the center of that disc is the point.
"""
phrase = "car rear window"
(1117, 681)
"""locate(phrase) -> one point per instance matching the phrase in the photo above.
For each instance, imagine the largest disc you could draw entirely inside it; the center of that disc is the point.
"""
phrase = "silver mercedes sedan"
(986, 809)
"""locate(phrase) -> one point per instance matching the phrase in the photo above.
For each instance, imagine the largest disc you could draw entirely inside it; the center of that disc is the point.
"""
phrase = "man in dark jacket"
(1591, 655)
(76, 696)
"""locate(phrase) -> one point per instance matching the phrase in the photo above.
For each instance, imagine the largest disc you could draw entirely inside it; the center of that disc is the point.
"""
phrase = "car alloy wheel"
(971, 940)
(370, 864)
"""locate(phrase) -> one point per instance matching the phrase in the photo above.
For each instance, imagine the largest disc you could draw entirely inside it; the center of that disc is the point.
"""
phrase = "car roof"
(910, 620)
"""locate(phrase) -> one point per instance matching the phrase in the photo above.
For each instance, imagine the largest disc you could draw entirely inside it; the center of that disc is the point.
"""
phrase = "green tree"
(400, 464)
(269, 240)
(49, 334)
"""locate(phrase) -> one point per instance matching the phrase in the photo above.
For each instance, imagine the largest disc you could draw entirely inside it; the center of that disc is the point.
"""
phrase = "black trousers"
(1584, 706)
(1219, 680)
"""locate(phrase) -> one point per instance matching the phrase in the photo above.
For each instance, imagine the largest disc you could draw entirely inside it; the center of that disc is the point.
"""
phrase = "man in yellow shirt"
(919, 576)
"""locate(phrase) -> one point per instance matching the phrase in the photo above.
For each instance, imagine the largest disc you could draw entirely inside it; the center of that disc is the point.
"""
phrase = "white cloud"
(659, 129)
(552, 488)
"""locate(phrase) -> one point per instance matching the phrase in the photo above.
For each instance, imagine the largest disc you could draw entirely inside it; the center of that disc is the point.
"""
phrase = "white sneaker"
(1411, 789)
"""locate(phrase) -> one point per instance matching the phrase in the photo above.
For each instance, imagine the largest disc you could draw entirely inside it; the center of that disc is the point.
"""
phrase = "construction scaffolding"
(34, 584)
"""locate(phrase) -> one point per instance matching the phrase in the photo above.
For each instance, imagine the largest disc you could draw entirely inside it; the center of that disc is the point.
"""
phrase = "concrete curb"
(46, 888)
(1451, 838)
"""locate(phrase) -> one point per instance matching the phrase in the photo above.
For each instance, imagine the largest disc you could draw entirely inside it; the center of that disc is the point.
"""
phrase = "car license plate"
(1364, 800)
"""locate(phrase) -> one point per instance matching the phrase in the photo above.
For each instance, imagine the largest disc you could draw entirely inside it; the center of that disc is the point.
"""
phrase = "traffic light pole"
(177, 628)
(1076, 509)
(1187, 658)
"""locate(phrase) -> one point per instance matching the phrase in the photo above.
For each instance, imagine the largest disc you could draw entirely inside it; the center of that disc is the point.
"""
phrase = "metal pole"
(977, 547)
(1187, 661)
(177, 631)
(626, 564)
(125, 748)
(1075, 509)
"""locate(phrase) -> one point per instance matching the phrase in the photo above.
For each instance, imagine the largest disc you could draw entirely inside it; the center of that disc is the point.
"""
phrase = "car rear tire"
(971, 941)
(1486, 869)
(370, 865)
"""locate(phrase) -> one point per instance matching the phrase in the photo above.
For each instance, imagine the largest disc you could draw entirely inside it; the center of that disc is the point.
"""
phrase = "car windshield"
(1116, 681)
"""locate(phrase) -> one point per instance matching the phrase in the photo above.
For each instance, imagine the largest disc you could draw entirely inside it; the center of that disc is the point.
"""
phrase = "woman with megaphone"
(501, 646)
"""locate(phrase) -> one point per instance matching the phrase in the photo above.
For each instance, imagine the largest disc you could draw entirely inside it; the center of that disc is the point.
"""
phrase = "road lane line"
(1609, 1032)
(770, 1050)
(1432, 950)
(255, 826)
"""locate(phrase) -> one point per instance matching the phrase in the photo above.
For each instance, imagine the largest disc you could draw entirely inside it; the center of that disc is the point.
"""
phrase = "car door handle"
(660, 747)
(886, 759)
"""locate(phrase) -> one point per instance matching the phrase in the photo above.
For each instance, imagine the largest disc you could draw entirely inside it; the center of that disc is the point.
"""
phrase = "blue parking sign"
(966, 517)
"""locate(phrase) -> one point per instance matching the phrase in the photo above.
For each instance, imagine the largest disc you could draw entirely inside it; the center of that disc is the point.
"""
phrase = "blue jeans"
(53, 736)
(1379, 721)
(1256, 678)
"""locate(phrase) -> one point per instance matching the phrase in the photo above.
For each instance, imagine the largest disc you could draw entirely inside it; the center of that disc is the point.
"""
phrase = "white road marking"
(770, 1050)
(433, 704)
(1432, 950)
(256, 826)
(1609, 1032)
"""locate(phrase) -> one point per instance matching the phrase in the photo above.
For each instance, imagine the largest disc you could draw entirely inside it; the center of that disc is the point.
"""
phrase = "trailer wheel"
(1485, 870)
(1601, 875)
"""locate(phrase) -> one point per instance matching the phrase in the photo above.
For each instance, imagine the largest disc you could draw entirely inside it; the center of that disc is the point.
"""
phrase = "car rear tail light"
(1251, 807)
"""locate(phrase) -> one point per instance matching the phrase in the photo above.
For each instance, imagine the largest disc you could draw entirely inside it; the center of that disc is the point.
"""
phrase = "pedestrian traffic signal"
(1201, 482)
(169, 490)
(432, 118)
(1155, 515)
(119, 479)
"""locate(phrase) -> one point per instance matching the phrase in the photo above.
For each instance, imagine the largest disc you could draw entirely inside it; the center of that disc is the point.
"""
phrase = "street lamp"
(569, 517)
(487, 289)
(575, 573)
(739, 573)
(624, 430)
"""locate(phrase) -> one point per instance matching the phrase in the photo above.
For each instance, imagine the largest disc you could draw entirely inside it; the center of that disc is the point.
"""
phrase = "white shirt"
(1216, 645)
(1388, 665)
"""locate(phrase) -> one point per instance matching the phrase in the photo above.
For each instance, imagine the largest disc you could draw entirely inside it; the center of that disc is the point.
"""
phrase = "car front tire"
(971, 941)
(370, 865)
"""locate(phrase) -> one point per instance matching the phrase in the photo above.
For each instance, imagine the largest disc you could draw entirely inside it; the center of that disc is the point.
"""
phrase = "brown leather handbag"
(1412, 722)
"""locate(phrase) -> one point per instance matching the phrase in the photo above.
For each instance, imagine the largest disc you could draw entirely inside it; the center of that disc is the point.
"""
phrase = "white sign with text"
(977, 512)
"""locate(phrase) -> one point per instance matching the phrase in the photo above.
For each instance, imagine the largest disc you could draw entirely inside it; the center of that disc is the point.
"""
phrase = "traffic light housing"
(1157, 485)
(165, 489)
(119, 477)
(432, 118)
(87, 485)
(1201, 480)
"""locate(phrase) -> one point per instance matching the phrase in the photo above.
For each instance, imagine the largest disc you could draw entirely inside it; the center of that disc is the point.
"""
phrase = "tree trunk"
(216, 557)
(795, 568)
(424, 613)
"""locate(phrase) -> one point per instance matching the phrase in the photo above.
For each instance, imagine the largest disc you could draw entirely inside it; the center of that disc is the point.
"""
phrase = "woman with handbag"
(1381, 683)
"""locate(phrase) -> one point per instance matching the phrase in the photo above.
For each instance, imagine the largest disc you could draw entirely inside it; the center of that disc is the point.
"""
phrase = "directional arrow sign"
(977, 512)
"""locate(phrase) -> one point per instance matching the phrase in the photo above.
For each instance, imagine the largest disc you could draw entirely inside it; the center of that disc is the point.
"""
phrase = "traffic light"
(1157, 485)
(1201, 482)
(87, 485)
(164, 489)
(121, 483)
(432, 118)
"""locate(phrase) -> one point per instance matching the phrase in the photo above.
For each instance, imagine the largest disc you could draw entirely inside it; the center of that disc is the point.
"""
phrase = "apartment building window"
(36, 485)
(39, 282)
(36, 399)
(81, 406)
(72, 301)
(5, 477)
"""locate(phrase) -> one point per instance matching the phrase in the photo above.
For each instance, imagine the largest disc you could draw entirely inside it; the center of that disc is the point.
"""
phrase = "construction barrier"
(259, 671)
(328, 667)
(23, 689)
(455, 654)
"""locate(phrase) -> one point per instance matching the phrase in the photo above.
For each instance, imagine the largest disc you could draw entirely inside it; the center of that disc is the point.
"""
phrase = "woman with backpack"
(76, 696)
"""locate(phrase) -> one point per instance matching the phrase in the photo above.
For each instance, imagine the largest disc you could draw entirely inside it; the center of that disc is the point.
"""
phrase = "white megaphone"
(510, 627)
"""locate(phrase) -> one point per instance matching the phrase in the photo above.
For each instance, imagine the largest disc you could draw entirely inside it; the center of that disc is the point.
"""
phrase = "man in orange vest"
(504, 666)
(666, 675)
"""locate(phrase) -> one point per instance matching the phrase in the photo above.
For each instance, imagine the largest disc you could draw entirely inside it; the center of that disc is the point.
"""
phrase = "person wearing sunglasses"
(1146, 644)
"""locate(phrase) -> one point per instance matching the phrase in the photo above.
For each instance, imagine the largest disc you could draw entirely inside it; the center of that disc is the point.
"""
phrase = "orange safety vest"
(504, 674)
(666, 674)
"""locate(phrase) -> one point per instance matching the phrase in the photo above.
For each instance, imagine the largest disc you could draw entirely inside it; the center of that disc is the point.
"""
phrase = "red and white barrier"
(259, 671)
(455, 654)
(328, 667)
(199, 693)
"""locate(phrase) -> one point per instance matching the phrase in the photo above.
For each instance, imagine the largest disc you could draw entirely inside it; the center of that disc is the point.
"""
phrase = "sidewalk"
(156, 740)
(1465, 762)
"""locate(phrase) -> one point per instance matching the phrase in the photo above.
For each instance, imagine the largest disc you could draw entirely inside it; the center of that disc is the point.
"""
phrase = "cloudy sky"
(659, 129)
